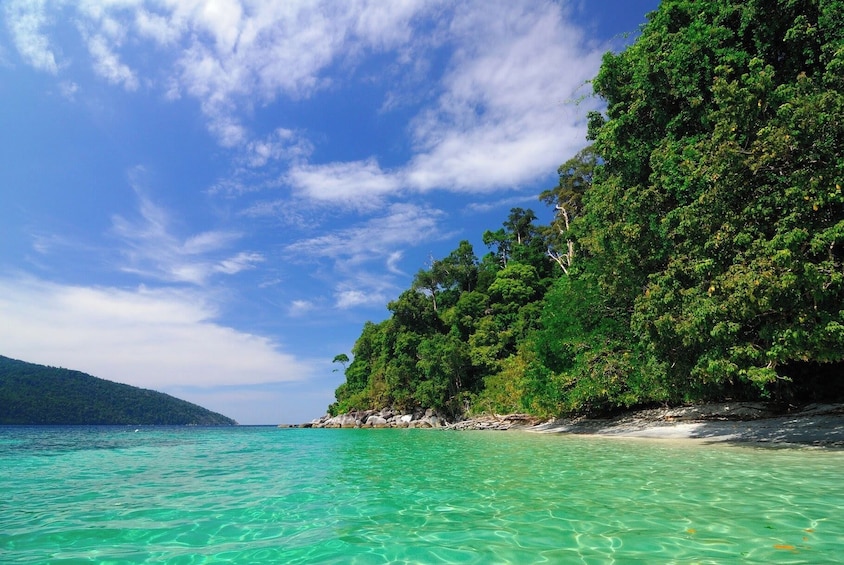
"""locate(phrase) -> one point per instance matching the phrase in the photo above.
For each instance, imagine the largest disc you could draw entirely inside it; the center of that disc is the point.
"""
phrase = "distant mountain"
(36, 394)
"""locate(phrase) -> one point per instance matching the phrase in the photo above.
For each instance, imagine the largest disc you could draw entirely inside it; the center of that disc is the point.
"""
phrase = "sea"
(193, 495)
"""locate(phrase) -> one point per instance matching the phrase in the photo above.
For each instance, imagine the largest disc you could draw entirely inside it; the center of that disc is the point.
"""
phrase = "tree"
(520, 226)
(501, 244)
(342, 358)
(717, 218)
(575, 178)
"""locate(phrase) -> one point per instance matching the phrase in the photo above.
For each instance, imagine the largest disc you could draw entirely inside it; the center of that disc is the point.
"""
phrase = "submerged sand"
(816, 424)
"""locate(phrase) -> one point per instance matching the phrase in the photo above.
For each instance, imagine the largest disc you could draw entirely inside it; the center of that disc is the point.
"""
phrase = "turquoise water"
(267, 495)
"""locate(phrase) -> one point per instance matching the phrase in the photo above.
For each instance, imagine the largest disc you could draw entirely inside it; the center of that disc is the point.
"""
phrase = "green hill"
(36, 394)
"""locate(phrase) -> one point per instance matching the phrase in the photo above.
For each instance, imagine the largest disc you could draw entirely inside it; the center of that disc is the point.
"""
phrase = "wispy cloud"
(363, 289)
(393, 262)
(240, 262)
(26, 20)
(151, 250)
(357, 254)
(501, 114)
(108, 64)
(376, 239)
(154, 338)
(503, 118)
(300, 307)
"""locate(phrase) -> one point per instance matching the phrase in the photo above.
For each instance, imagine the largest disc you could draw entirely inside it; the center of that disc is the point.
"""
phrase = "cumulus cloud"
(507, 112)
(502, 112)
(358, 184)
(351, 298)
(152, 338)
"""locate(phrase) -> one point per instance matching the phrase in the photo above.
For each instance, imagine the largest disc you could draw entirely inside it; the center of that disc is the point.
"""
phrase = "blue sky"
(210, 198)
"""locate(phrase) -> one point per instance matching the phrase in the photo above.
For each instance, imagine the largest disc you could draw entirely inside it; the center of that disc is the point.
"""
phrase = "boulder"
(342, 421)
(376, 422)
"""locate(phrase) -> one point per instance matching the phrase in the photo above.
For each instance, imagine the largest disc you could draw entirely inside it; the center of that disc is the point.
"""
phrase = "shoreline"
(813, 425)
(817, 425)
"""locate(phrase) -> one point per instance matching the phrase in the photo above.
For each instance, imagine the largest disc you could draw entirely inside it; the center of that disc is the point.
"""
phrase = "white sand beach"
(816, 424)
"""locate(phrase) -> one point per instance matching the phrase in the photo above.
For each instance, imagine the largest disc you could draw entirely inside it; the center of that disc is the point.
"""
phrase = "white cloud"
(501, 116)
(240, 262)
(234, 55)
(143, 337)
(505, 117)
(108, 64)
(280, 144)
(378, 238)
(361, 288)
(353, 298)
(357, 184)
(152, 250)
(68, 88)
(393, 262)
(161, 29)
(300, 307)
(26, 20)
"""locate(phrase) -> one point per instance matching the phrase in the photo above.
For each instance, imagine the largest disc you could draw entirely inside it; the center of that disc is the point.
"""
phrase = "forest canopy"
(697, 250)
(37, 394)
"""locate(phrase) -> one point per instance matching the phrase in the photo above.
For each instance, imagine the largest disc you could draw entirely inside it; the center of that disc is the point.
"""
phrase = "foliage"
(697, 248)
(723, 158)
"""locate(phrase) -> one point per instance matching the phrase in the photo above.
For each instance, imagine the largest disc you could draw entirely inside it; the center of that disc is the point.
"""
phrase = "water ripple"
(263, 495)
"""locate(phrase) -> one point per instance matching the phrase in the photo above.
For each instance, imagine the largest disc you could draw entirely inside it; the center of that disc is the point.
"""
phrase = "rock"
(407, 418)
(342, 421)
(376, 422)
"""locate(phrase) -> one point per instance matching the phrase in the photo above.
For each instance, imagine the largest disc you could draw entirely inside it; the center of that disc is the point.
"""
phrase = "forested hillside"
(35, 394)
(698, 246)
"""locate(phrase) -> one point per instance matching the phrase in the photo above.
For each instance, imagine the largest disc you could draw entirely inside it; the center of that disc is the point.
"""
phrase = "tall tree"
(717, 217)
(575, 178)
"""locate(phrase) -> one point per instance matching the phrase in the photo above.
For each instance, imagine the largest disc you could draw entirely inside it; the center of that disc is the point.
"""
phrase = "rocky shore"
(384, 418)
(815, 424)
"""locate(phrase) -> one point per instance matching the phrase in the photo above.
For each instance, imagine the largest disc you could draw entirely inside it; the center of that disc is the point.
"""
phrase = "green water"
(266, 495)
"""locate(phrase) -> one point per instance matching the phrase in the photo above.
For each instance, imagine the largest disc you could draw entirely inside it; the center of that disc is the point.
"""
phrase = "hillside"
(696, 252)
(36, 394)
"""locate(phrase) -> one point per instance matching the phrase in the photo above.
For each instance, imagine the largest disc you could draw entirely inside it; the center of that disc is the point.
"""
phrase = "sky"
(210, 198)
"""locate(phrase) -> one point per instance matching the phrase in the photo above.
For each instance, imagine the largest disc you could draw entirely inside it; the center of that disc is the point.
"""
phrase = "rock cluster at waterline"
(384, 418)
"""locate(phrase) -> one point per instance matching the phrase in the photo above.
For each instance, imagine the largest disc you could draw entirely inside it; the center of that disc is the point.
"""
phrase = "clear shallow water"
(267, 495)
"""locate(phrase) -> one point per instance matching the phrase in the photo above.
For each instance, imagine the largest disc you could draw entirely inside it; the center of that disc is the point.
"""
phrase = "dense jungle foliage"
(35, 394)
(697, 250)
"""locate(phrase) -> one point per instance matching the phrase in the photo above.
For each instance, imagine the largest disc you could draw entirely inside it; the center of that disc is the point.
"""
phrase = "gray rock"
(376, 422)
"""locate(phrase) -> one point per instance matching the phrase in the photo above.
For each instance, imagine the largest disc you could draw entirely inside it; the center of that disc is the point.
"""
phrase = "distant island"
(32, 394)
